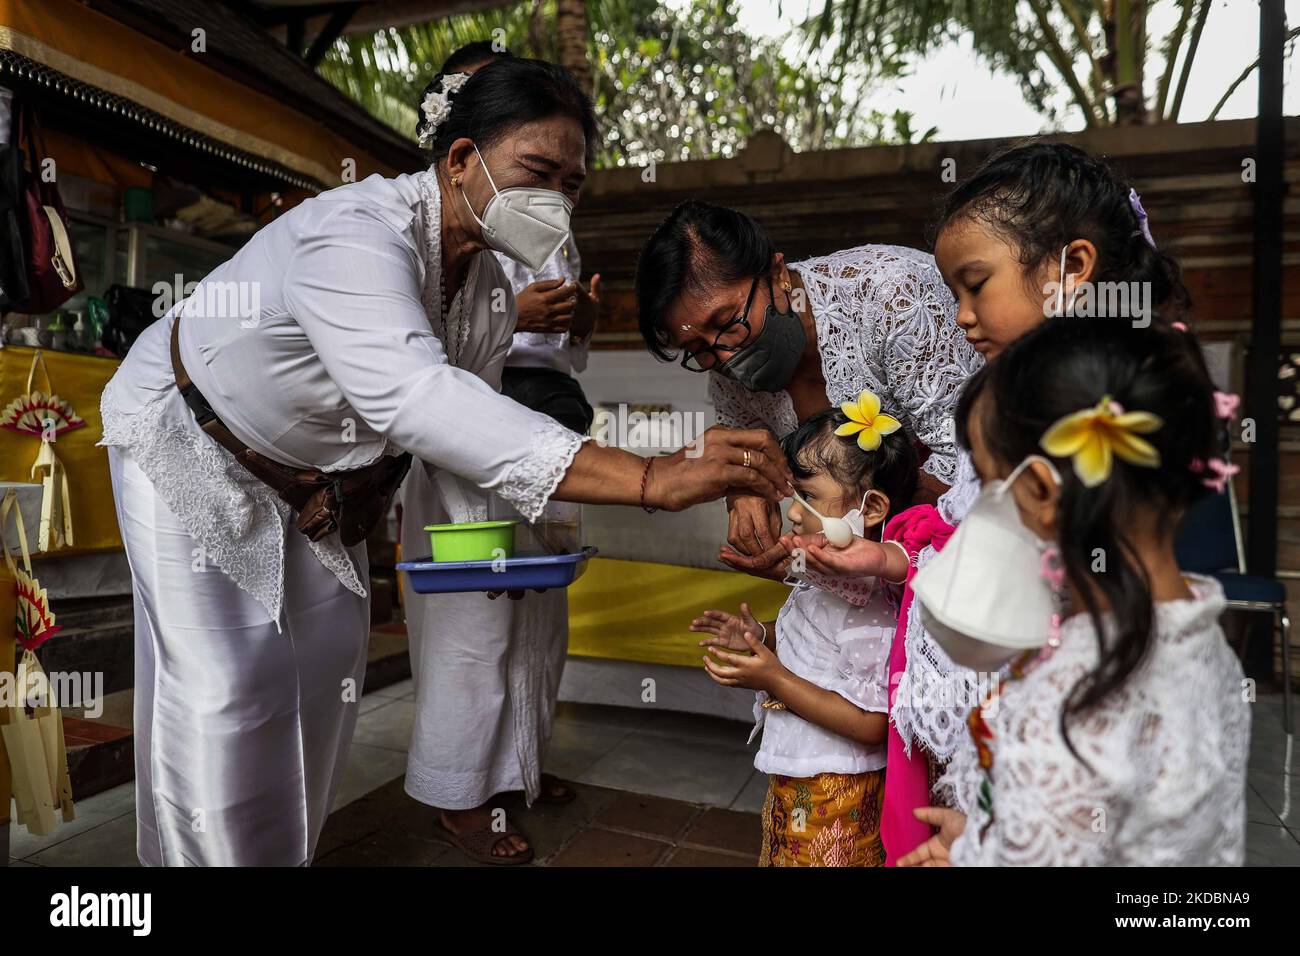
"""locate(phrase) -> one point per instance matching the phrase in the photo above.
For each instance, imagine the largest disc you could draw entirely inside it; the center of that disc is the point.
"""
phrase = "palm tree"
(1099, 50)
(572, 36)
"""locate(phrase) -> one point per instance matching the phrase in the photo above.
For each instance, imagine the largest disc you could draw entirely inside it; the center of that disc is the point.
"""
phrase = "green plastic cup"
(472, 541)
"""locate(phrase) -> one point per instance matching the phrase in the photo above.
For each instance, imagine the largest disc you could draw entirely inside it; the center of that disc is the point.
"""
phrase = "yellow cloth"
(79, 379)
(832, 819)
(639, 611)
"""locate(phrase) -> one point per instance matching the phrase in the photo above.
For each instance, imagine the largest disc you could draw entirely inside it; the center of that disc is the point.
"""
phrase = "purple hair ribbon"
(1144, 226)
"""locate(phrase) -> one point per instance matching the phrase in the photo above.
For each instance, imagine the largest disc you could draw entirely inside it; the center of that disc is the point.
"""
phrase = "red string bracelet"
(645, 474)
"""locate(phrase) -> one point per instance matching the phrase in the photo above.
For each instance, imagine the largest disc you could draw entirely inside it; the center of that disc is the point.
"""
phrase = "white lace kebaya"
(1164, 783)
(885, 321)
(345, 356)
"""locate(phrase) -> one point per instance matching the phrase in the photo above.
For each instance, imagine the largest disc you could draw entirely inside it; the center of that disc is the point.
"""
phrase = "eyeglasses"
(732, 336)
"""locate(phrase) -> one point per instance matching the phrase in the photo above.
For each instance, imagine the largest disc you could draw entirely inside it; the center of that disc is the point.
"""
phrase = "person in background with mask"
(547, 301)
(371, 339)
(783, 341)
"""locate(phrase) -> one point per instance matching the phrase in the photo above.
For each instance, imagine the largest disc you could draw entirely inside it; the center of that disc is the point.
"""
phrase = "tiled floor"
(674, 771)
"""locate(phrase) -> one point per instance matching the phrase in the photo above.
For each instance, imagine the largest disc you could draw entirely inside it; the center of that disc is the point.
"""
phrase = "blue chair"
(1209, 542)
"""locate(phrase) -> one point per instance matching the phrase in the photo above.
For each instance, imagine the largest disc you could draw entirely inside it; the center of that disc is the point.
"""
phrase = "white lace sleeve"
(531, 481)
(925, 355)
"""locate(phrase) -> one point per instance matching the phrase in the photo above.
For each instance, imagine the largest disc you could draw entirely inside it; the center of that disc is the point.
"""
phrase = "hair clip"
(867, 421)
(1226, 405)
(1093, 437)
(437, 105)
(1223, 471)
(1144, 227)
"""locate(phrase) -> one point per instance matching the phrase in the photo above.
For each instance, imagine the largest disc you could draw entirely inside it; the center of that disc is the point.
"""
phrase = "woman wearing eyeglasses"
(786, 340)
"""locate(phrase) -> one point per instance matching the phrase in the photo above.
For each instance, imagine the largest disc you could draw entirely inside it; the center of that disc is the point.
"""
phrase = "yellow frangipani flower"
(1094, 436)
(867, 421)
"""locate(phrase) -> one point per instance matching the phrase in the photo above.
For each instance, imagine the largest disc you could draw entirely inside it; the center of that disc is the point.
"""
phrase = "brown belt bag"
(349, 502)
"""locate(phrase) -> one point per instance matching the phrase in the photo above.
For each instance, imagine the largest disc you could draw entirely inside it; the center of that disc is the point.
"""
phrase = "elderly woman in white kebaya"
(251, 450)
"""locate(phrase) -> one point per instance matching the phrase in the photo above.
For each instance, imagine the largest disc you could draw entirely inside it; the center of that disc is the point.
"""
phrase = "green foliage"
(669, 83)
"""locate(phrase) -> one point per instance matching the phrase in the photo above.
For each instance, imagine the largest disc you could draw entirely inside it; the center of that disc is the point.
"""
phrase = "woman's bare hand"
(753, 524)
(714, 465)
(773, 564)
(859, 557)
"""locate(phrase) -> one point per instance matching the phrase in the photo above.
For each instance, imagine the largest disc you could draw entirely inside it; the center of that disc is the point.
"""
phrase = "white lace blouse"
(321, 344)
(1167, 753)
(839, 647)
(885, 321)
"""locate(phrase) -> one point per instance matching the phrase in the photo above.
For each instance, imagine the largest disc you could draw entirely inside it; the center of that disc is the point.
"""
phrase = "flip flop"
(478, 843)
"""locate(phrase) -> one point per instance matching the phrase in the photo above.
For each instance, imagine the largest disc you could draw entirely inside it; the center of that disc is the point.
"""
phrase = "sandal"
(478, 844)
(551, 782)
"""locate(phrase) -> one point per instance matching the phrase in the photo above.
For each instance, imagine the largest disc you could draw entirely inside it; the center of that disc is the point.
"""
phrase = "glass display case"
(133, 254)
(146, 255)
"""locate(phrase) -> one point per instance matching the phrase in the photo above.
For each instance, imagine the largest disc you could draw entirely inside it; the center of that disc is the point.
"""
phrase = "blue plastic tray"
(542, 571)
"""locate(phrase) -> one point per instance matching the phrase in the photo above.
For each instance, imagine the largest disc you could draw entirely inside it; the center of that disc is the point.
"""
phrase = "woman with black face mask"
(783, 341)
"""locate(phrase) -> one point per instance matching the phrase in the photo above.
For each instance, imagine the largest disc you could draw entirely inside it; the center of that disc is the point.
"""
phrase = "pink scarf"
(907, 779)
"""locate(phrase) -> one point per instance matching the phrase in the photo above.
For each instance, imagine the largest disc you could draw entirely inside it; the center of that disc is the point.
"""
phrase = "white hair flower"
(437, 105)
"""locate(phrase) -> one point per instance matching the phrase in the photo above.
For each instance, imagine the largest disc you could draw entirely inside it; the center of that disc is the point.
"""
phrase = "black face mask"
(767, 364)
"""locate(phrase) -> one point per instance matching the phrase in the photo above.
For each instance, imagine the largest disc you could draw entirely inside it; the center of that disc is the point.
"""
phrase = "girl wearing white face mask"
(820, 669)
(1123, 739)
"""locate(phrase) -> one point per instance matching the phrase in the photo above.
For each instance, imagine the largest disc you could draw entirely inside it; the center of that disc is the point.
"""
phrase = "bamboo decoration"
(33, 753)
(46, 416)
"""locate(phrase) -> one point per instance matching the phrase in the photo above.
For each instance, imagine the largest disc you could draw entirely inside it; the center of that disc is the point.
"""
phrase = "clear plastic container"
(557, 530)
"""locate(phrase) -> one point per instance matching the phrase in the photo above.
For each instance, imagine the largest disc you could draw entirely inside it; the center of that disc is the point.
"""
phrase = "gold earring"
(455, 181)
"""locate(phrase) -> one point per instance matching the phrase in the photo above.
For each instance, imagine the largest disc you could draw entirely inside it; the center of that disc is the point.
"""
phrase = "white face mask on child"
(839, 532)
(984, 597)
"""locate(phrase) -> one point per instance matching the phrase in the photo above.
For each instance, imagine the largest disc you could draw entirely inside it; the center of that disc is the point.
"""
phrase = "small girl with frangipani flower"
(820, 669)
(1124, 740)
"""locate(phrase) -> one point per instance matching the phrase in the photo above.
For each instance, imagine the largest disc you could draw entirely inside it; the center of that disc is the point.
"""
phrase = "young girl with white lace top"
(1124, 740)
(820, 669)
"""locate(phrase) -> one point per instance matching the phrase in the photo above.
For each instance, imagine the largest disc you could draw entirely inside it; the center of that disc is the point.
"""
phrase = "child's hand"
(728, 630)
(760, 670)
(934, 851)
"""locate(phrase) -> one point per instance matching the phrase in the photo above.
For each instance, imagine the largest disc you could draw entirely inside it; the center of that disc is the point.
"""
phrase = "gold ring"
(746, 461)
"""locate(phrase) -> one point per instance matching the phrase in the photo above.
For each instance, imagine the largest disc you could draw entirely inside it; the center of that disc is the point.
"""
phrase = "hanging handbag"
(51, 268)
(13, 258)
